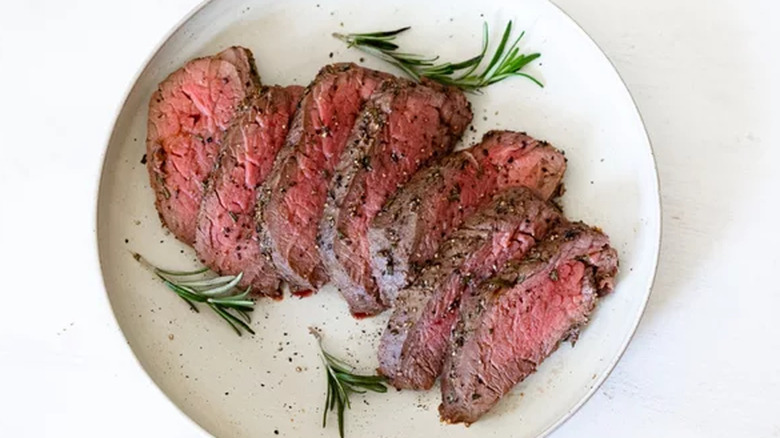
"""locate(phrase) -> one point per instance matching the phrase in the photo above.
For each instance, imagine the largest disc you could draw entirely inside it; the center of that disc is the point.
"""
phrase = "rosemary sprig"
(342, 381)
(507, 61)
(218, 293)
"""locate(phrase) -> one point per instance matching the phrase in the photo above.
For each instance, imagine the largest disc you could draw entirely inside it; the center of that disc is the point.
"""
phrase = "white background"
(705, 361)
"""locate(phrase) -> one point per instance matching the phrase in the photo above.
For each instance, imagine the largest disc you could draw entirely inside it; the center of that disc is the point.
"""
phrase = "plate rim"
(546, 432)
(624, 346)
(117, 328)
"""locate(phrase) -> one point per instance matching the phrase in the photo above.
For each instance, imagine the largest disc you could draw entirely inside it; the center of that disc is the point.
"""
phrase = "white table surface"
(705, 361)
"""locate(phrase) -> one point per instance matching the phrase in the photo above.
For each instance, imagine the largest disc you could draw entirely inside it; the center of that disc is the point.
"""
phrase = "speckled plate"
(273, 383)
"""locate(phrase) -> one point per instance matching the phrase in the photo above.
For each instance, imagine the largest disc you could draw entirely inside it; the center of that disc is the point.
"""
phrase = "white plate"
(273, 382)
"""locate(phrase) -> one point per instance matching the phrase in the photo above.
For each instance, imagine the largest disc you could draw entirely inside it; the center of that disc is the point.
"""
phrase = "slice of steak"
(292, 199)
(413, 346)
(401, 128)
(410, 227)
(513, 321)
(187, 117)
(226, 240)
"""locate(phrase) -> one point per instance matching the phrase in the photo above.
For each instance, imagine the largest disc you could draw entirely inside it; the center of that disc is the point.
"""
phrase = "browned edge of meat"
(188, 114)
(408, 230)
(400, 129)
(515, 320)
(412, 349)
(226, 240)
(292, 199)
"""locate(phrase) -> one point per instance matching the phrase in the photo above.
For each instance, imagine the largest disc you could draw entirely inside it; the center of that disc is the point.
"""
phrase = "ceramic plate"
(273, 384)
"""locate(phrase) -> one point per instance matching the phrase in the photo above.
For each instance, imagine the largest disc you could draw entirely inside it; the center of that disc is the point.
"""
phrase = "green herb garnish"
(218, 293)
(342, 381)
(507, 61)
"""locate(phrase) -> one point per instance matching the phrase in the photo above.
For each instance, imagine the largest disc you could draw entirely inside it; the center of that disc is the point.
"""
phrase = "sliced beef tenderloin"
(513, 321)
(409, 228)
(292, 199)
(413, 346)
(187, 117)
(226, 240)
(401, 128)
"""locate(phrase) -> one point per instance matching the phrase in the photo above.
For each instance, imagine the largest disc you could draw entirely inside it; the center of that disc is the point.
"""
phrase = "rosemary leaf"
(499, 50)
(183, 291)
(333, 387)
(391, 33)
(225, 316)
(378, 44)
(182, 273)
(243, 313)
(224, 288)
(481, 56)
(225, 313)
(341, 416)
(208, 282)
(231, 301)
(328, 398)
(191, 304)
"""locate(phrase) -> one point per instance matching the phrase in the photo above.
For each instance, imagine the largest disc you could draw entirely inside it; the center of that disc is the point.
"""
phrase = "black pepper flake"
(365, 163)
(330, 55)
(143, 159)
(454, 195)
(276, 432)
